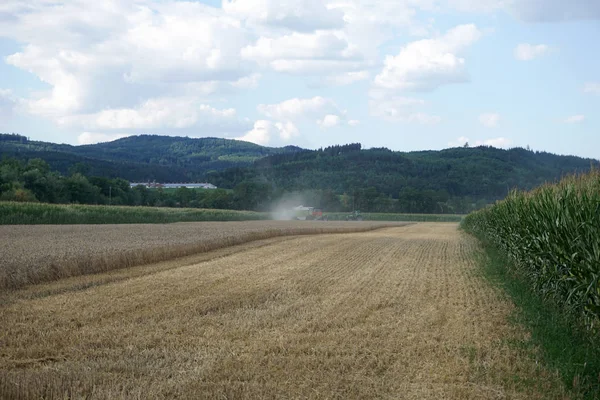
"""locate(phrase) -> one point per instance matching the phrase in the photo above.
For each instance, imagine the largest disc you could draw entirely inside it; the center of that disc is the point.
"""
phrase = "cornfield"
(12, 213)
(552, 235)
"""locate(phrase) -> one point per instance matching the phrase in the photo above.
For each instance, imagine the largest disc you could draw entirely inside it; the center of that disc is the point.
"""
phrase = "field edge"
(28, 213)
(565, 347)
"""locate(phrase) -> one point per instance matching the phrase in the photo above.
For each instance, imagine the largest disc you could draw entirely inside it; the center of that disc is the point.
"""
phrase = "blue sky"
(404, 74)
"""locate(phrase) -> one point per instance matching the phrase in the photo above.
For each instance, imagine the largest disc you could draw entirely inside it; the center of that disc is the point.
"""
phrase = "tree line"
(34, 181)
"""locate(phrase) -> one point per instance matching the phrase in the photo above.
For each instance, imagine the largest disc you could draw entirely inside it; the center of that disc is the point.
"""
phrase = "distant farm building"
(154, 185)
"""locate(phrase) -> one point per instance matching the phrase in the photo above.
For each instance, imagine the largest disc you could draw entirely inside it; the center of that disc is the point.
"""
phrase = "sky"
(402, 74)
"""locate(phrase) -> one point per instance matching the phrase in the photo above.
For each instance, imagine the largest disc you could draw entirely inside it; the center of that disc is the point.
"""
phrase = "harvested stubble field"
(396, 313)
(42, 253)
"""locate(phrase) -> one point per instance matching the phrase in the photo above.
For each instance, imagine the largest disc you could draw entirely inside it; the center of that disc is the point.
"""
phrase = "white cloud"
(107, 62)
(264, 131)
(318, 52)
(385, 12)
(298, 15)
(287, 130)
(574, 119)
(354, 122)
(95, 137)
(427, 64)
(296, 108)
(389, 106)
(159, 113)
(260, 134)
(350, 31)
(370, 23)
(329, 121)
(527, 52)
(489, 120)
(592, 87)
(321, 44)
(150, 46)
(346, 78)
(322, 111)
(499, 142)
(285, 116)
(247, 82)
(315, 67)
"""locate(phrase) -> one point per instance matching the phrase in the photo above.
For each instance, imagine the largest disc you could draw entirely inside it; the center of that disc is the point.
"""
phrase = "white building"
(153, 185)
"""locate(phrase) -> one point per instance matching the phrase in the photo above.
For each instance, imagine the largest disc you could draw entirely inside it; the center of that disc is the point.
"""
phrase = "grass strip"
(400, 217)
(565, 345)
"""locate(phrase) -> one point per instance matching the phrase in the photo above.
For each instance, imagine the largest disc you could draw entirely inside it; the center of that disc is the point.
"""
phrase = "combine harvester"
(309, 214)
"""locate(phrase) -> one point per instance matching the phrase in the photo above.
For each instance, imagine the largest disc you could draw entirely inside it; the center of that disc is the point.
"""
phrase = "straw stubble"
(32, 254)
(395, 313)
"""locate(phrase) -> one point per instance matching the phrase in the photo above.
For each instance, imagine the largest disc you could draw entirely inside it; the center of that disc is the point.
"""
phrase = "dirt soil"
(398, 313)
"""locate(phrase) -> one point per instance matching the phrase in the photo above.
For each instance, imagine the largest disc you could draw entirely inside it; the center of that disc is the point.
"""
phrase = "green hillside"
(481, 174)
(337, 178)
(143, 157)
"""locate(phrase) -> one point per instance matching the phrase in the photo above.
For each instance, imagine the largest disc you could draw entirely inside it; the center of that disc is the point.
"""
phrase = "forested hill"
(451, 180)
(480, 173)
(143, 157)
(337, 178)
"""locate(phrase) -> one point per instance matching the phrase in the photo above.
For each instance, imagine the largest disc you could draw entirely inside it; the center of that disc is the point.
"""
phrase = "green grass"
(558, 337)
(400, 217)
(12, 213)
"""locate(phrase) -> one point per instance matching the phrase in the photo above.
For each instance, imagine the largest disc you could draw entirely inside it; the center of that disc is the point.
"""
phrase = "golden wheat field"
(397, 313)
(39, 253)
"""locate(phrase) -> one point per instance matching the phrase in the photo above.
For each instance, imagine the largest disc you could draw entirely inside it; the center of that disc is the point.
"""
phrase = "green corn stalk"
(552, 235)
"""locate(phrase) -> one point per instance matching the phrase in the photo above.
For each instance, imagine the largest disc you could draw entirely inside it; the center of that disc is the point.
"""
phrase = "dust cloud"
(283, 209)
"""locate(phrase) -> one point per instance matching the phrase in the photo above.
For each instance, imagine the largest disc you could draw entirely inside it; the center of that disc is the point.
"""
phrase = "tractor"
(355, 216)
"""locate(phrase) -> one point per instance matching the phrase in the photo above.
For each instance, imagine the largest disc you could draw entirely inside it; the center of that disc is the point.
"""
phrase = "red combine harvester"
(309, 214)
(317, 214)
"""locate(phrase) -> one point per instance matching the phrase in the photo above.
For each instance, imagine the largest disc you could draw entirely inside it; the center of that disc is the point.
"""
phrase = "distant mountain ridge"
(143, 157)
